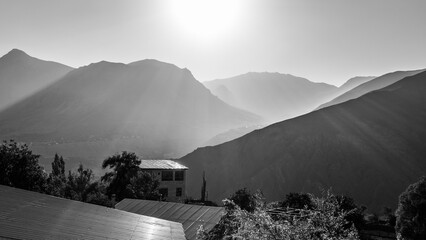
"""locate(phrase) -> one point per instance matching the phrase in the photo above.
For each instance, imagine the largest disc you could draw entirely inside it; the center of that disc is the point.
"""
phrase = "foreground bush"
(411, 212)
(326, 220)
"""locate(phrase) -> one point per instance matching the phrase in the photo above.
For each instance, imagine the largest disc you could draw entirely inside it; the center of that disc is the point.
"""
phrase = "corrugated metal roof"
(31, 215)
(161, 164)
(191, 216)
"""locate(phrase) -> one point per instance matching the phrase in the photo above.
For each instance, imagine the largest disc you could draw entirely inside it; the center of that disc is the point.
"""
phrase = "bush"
(246, 200)
(298, 200)
(19, 167)
(326, 221)
(411, 212)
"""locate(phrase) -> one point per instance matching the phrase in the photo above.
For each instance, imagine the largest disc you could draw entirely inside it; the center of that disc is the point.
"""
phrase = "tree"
(411, 212)
(245, 200)
(389, 216)
(143, 186)
(19, 167)
(80, 184)
(325, 221)
(355, 214)
(58, 166)
(298, 200)
(126, 179)
(56, 182)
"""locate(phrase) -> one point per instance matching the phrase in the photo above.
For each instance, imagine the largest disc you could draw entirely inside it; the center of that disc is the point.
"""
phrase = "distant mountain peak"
(17, 51)
(151, 63)
(104, 63)
(15, 54)
(355, 81)
(22, 75)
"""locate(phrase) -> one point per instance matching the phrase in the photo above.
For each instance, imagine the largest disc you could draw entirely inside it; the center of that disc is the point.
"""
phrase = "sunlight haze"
(325, 41)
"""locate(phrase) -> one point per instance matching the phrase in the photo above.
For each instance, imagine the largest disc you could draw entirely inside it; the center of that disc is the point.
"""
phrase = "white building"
(172, 177)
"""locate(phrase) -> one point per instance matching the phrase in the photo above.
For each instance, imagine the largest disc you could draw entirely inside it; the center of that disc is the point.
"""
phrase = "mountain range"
(22, 75)
(370, 85)
(274, 96)
(151, 107)
(370, 148)
(367, 142)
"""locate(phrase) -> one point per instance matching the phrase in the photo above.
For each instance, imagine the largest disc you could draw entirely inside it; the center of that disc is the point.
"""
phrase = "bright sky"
(322, 40)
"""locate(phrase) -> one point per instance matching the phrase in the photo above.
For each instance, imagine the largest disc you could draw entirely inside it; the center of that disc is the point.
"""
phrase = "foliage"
(125, 166)
(389, 216)
(19, 167)
(58, 166)
(325, 221)
(80, 184)
(57, 181)
(143, 186)
(245, 200)
(298, 200)
(355, 214)
(411, 212)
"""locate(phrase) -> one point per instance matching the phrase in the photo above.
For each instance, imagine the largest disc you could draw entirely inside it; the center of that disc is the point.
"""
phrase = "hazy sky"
(322, 40)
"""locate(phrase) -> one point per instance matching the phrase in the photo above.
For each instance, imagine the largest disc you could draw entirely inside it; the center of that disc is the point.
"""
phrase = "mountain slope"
(370, 148)
(273, 96)
(377, 83)
(157, 107)
(353, 83)
(22, 75)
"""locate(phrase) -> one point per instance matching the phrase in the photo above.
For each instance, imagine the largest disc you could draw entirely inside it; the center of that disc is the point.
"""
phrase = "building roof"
(191, 216)
(161, 164)
(31, 215)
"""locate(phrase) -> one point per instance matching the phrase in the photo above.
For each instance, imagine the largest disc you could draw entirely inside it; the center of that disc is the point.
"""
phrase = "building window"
(178, 192)
(164, 192)
(179, 175)
(166, 175)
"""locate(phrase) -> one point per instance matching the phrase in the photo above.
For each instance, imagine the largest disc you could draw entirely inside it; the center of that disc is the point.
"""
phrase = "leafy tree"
(389, 216)
(80, 184)
(19, 167)
(143, 186)
(411, 212)
(97, 195)
(126, 179)
(56, 182)
(245, 200)
(355, 214)
(58, 166)
(298, 200)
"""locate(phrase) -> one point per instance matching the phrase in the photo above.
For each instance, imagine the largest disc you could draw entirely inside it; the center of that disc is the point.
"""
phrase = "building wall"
(171, 185)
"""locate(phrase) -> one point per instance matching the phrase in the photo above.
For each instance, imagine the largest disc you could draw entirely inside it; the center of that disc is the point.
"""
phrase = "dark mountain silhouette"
(376, 83)
(148, 106)
(370, 148)
(273, 96)
(22, 75)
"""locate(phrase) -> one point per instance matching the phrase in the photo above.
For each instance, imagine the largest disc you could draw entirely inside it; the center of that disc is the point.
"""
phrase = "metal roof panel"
(31, 215)
(191, 216)
(161, 164)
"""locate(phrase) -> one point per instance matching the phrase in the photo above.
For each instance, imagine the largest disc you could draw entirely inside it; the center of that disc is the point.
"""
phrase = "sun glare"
(206, 20)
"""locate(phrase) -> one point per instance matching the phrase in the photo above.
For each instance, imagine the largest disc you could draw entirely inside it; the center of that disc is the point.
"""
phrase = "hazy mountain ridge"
(354, 82)
(22, 75)
(230, 135)
(274, 96)
(370, 148)
(159, 109)
(374, 84)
